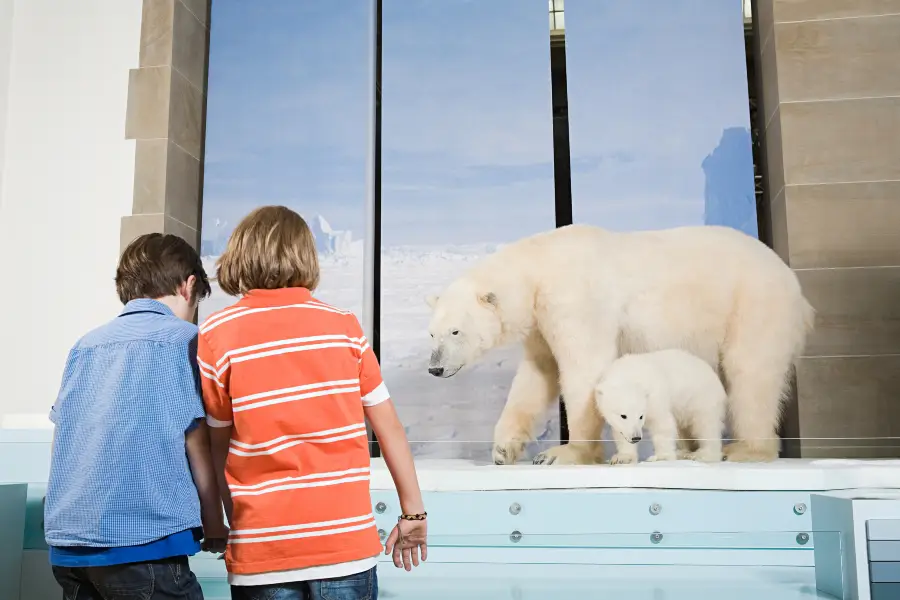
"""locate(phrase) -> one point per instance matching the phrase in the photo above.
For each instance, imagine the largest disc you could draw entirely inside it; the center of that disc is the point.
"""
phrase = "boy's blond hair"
(271, 248)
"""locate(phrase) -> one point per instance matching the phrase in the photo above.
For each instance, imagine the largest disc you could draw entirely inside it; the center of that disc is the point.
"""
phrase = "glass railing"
(647, 565)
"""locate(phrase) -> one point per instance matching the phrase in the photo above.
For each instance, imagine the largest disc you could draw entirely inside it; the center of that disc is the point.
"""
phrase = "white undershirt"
(307, 574)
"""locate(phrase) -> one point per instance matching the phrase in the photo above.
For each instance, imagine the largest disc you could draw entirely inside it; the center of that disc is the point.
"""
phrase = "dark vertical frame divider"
(374, 228)
(561, 174)
(789, 427)
(562, 165)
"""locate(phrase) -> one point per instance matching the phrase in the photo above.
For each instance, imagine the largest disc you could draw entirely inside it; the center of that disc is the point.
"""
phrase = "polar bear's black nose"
(436, 371)
(635, 439)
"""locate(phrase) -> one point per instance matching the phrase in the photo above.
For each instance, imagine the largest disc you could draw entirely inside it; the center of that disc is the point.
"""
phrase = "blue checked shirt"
(119, 473)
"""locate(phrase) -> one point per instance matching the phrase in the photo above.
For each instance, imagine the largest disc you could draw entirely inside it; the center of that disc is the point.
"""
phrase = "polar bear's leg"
(626, 452)
(664, 432)
(534, 387)
(755, 398)
(707, 426)
(585, 429)
(685, 444)
(580, 367)
(757, 363)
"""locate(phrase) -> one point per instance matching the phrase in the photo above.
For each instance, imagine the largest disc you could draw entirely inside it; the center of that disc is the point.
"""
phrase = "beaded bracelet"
(418, 517)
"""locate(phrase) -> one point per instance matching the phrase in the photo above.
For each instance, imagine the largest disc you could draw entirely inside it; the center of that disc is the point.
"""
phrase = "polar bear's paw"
(507, 453)
(623, 459)
(710, 456)
(742, 452)
(568, 454)
(662, 457)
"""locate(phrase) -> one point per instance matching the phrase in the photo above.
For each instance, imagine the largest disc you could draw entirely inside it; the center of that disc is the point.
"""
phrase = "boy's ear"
(431, 300)
(186, 290)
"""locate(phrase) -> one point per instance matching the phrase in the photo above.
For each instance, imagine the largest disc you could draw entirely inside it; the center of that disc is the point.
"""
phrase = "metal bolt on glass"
(799, 508)
(656, 537)
(802, 538)
(515, 508)
(380, 507)
(515, 537)
(655, 509)
(382, 534)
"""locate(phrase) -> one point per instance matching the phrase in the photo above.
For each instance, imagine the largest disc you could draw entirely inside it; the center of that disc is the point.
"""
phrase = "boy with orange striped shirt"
(288, 382)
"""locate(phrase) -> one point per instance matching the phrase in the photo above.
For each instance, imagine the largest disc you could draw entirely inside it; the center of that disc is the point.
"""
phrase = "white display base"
(781, 475)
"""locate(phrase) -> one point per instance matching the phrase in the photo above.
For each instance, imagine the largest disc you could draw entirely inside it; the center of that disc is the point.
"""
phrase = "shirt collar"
(147, 305)
(294, 295)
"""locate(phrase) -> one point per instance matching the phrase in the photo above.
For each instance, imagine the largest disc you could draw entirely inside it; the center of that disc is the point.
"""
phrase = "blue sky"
(467, 125)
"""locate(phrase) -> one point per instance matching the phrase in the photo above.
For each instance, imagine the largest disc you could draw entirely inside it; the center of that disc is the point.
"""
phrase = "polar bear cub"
(672, 393)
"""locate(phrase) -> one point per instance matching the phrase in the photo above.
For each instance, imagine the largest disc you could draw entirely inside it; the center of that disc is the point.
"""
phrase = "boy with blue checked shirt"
(132, 491)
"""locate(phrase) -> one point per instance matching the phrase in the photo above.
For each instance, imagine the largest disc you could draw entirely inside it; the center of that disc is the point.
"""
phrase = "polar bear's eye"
(454, 332)
(641, 417)
(624, 417)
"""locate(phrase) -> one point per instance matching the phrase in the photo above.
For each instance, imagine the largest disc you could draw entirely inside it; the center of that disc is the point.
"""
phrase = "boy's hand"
(215, 537)
(214, 545)
(406, 541)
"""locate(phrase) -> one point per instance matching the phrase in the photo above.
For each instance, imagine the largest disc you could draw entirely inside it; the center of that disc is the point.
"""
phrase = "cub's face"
(623, 406)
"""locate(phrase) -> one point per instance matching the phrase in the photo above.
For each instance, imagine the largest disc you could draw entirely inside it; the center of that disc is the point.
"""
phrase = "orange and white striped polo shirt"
(292, 375)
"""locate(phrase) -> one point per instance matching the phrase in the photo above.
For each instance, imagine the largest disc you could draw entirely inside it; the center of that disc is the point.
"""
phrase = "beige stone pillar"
(166, 115)
(830, 74)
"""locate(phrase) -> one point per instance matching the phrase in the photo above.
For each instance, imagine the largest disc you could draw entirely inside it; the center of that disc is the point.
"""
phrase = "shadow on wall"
(729, 197)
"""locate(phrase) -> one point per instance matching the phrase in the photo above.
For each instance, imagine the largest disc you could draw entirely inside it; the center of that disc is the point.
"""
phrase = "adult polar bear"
(580, 296)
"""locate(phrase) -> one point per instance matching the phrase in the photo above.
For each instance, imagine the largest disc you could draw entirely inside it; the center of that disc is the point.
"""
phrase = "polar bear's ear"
(489, 299)
(431, 300)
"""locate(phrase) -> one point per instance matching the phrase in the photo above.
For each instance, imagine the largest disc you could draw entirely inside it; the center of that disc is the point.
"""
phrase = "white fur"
(676, 396)
(578, 297)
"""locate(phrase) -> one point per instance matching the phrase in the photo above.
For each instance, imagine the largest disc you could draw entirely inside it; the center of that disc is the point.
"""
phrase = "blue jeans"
(361, 586)
(164, 579)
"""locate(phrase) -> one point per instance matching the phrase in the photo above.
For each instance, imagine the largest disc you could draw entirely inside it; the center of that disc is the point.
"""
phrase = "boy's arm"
(382, 416)
(219, 440)
(204, 474)
(198, 454)
(215, 379)
(397, 455)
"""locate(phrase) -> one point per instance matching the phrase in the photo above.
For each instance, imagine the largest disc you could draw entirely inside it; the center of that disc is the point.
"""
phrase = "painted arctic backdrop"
(467, 152)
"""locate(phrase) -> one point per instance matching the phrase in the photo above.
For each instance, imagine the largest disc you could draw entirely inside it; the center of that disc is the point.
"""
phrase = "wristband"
(417, 517)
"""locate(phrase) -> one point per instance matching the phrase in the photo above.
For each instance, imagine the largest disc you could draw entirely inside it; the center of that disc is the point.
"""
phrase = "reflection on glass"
(658, 114)
(467, 165)
(287, 124)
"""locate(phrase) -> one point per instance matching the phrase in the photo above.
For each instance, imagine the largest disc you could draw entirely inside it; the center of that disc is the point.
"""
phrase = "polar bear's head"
(623, 404)
(465, 323)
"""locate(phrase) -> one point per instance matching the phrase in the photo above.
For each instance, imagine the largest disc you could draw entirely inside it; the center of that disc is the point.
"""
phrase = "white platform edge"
(781, 475)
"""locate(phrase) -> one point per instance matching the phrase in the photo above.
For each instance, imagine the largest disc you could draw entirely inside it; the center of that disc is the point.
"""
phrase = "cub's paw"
(662, 457)
(507, 453)
(623, 459)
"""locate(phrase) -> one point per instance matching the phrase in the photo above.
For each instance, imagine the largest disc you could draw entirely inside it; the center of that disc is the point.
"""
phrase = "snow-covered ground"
(444, 418)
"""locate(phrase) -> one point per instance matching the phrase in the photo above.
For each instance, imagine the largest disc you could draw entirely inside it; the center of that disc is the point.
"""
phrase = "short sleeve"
(63, 386)
(188, 396)
(214, 384)
(371, 386)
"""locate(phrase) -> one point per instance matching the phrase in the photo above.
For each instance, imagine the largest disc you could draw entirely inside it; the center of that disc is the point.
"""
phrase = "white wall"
(6, 18)
(67, 182)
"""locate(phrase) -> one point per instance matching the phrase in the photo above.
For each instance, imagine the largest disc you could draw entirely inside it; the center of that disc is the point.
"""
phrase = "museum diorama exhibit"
(631, 278)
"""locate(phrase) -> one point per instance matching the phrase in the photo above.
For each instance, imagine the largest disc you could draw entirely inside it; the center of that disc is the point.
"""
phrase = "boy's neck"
(177, 304)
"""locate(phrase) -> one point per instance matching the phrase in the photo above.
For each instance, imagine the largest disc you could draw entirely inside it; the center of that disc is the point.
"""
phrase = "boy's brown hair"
(156, 265)
(271, 248)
